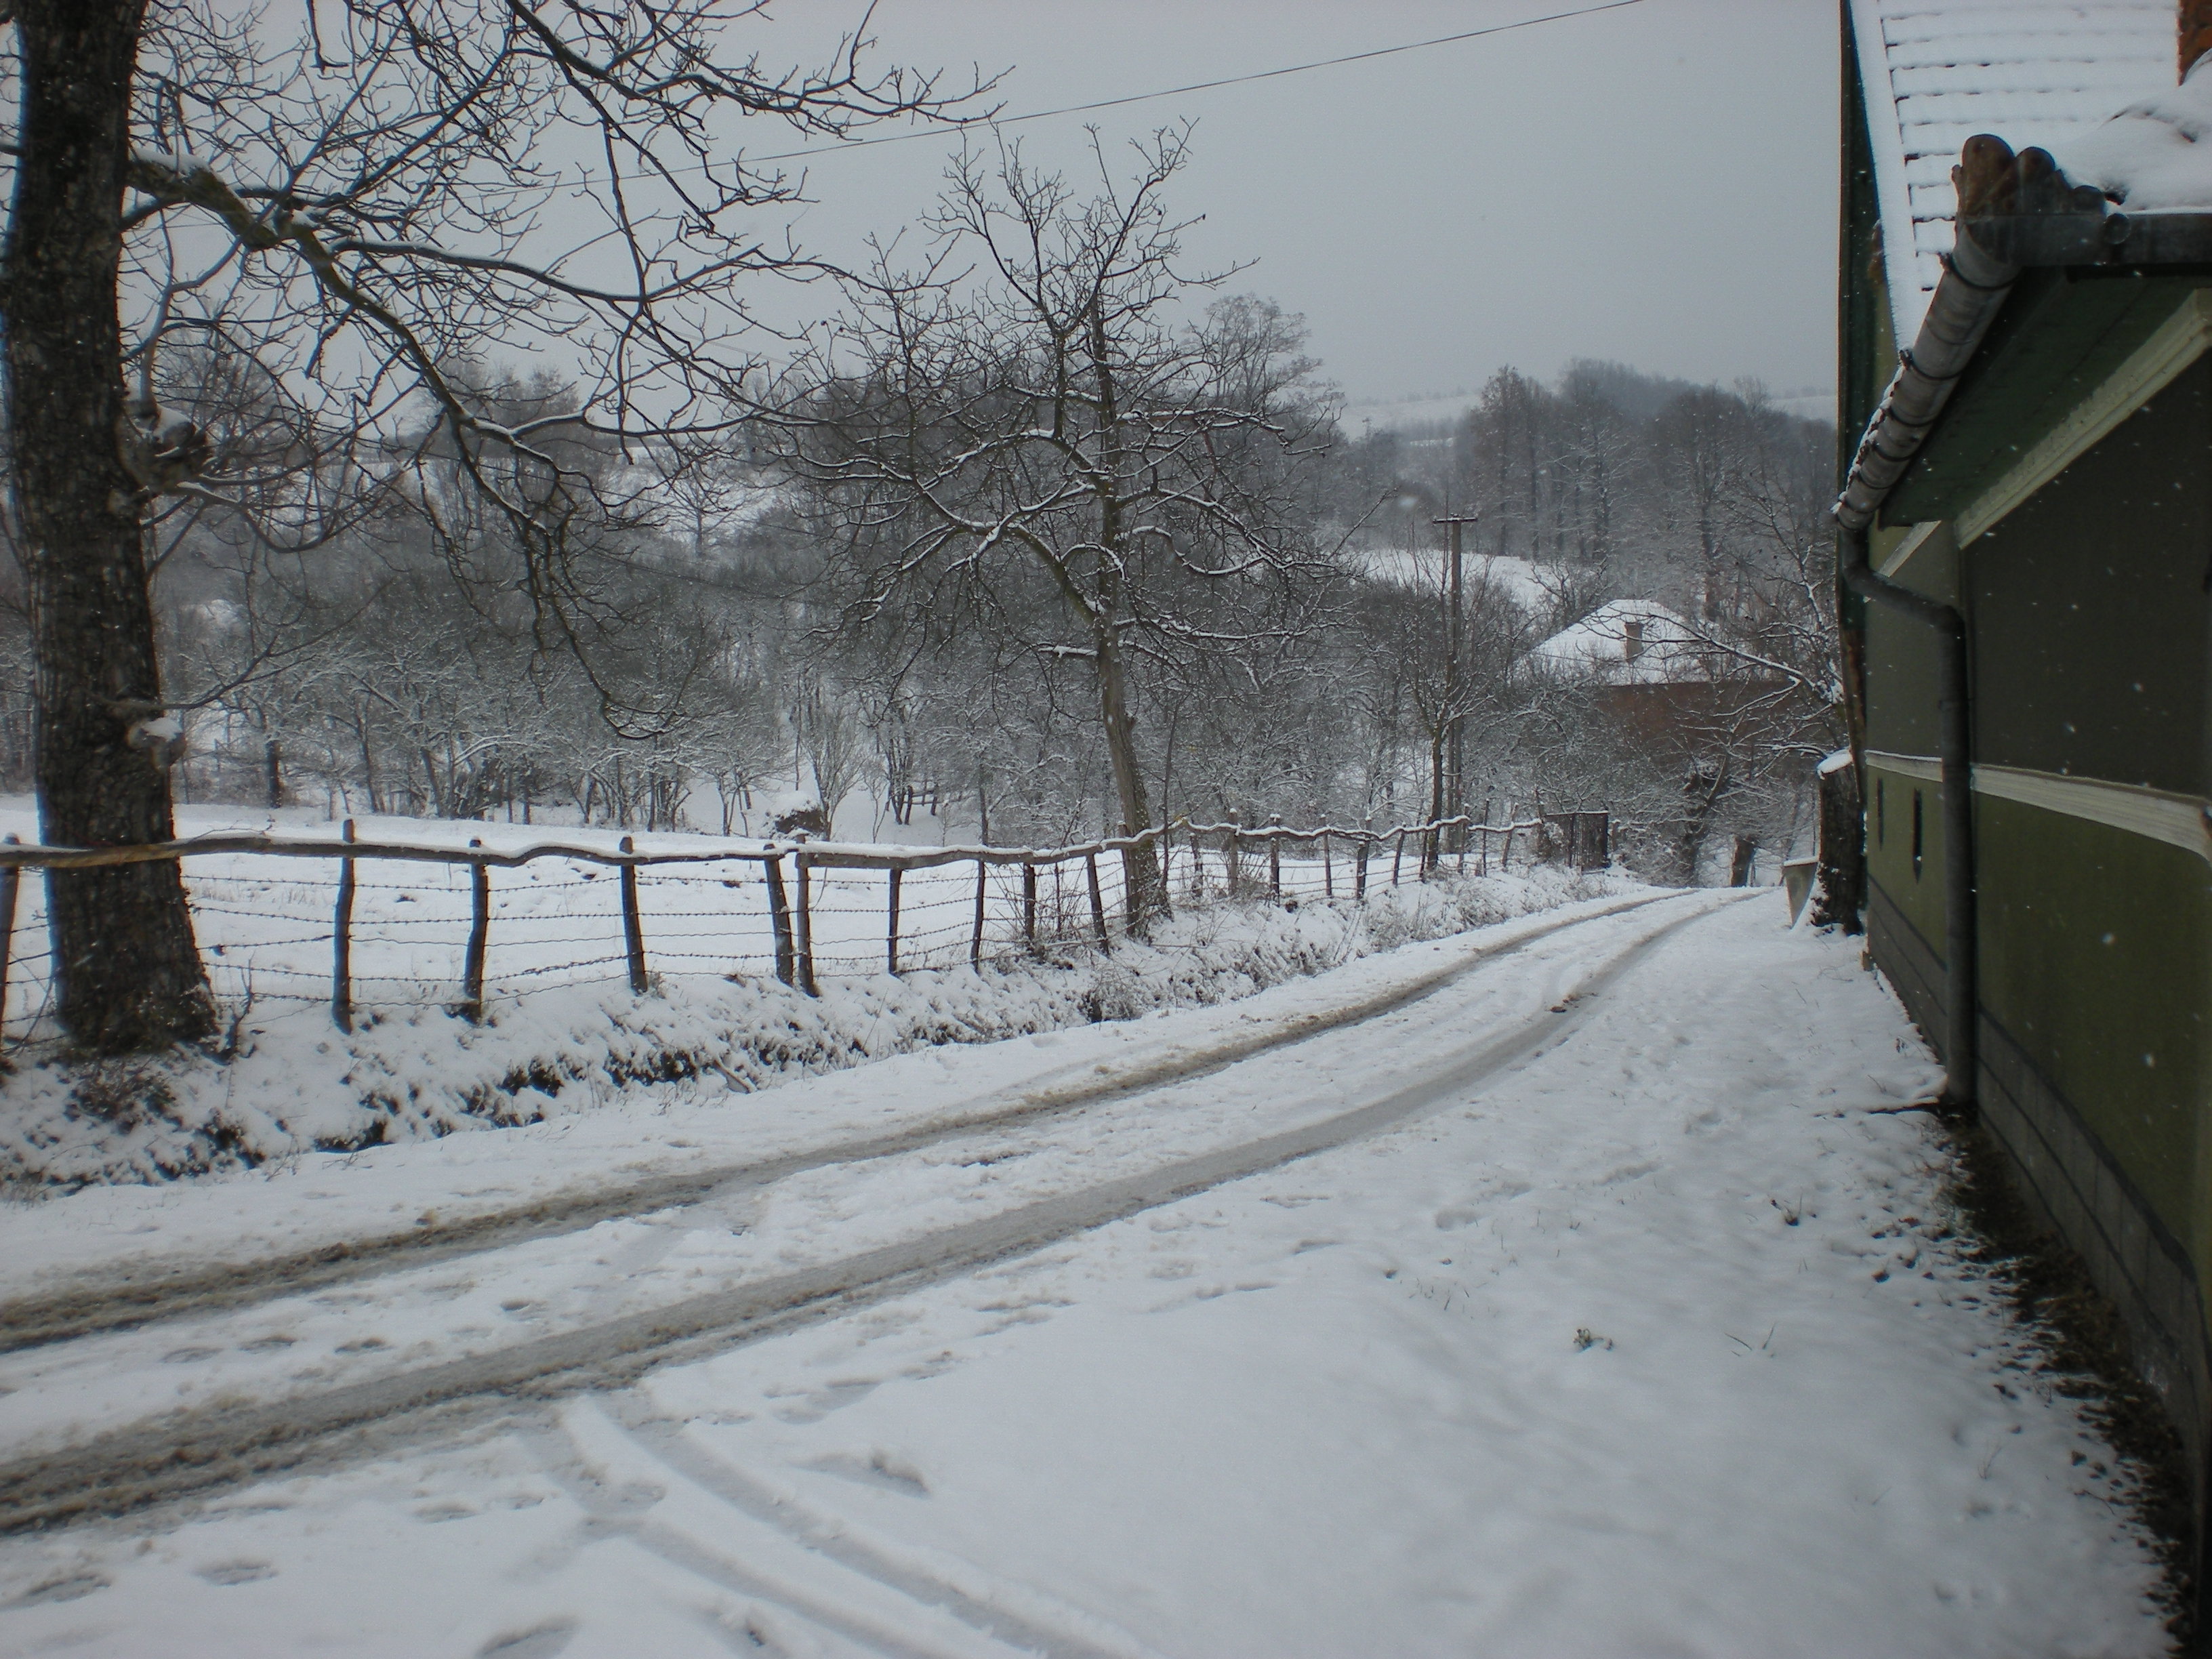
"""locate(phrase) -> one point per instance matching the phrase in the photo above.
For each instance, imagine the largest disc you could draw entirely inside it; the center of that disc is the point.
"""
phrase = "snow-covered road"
(1470, 1326)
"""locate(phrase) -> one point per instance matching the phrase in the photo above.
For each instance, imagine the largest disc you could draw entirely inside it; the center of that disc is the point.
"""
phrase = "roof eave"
(2075, 239)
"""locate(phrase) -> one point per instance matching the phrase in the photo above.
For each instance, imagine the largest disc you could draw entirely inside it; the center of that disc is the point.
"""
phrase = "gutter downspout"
(1954, 747)
(1965, 302)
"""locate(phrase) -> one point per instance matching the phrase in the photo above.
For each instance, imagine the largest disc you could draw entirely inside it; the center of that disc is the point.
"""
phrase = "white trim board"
(1926, 768)
(2179, 341)
(2178, 820)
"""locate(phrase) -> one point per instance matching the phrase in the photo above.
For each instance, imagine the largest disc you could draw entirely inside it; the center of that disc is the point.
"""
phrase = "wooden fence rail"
(788, 869)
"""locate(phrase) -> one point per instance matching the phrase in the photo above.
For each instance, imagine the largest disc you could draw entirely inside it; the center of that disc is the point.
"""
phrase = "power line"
(1208, 86)
(584, 178)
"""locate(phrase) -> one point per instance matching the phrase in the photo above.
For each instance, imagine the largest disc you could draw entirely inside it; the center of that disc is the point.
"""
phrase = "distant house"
(1665, 679)
(2027, 350)
(1680, 698)
(1627, 642)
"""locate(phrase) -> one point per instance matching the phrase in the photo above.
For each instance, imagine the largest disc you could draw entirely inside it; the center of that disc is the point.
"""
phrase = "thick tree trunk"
(1432, 843)
(1147, 894)
(1140, 864)
(1700, 793)
(128, 974)
(1742, 861)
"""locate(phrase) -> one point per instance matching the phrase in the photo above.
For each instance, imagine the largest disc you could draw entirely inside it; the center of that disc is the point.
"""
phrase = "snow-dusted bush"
(290, 1083)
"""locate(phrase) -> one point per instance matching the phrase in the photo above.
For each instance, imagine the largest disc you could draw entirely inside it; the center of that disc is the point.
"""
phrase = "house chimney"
(2194, 21)
(1631, 640)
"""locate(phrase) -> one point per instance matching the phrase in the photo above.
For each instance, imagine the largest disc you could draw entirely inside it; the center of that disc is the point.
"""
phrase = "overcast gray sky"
(1654, 184)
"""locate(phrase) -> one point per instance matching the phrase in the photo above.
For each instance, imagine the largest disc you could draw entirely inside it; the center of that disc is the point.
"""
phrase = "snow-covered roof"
(1627, 642)
(1938, 71)
(2151, 157)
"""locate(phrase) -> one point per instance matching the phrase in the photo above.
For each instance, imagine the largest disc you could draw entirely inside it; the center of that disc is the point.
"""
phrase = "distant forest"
(746, 636)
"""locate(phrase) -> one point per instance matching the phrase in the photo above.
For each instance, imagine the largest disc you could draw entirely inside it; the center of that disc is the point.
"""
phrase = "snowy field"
(1592, 1296)
(265, 923)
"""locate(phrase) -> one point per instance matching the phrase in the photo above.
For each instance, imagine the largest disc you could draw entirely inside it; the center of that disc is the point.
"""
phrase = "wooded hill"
(720, 676)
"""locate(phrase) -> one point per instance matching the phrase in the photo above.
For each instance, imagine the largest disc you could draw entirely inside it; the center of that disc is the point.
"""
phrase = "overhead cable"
(1209, 86)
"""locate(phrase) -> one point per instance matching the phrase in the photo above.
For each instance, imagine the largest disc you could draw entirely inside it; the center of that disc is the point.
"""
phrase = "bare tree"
(339, 218)
(1059, 453)
(826, 737)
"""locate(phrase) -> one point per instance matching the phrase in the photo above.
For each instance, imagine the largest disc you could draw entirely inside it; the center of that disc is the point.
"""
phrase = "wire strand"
(1210, 86)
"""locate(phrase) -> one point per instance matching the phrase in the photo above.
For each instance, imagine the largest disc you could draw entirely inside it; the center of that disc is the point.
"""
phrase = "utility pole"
(1449, 796)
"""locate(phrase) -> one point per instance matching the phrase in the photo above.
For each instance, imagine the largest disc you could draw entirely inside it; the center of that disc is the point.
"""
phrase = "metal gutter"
(1973, 288)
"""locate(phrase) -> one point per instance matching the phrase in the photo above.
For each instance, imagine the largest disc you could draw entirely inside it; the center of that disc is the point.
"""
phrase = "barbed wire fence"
(366, 926)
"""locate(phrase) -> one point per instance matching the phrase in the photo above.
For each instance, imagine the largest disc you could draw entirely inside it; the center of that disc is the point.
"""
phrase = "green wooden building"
(2027, 386)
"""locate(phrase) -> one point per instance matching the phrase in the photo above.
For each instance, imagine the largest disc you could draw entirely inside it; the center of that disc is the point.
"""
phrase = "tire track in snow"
(220, 1443)
(626, 1512)
(153, 1293)
(1022, 1618)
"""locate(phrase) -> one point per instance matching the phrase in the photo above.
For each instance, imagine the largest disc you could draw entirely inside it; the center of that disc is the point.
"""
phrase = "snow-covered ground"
(1534, 588)
(1592, 1296)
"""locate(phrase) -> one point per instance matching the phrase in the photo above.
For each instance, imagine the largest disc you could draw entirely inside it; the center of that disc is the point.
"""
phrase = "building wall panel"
(2090, 607)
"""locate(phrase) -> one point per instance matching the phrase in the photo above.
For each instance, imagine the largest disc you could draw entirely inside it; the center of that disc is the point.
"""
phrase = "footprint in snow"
(818, 1403)
(541, 1642)
(878, 1469)
(236, 1572)
(74, 1587)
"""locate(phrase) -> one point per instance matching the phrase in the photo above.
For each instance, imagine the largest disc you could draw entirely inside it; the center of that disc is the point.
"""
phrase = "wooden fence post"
(1197, 867)
(1505, 852)
(1359, 881)
(779, 918)
(890, 937)
(1028, 906)
(1397, 857)
(1275, 859)
(1462, 846)
(1328, 875)
(11, 883)
(633, 924)
(341, 942)
(472, 964)
(1097, 901)
(976, 940)
(805, 928)
(1233, 850)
